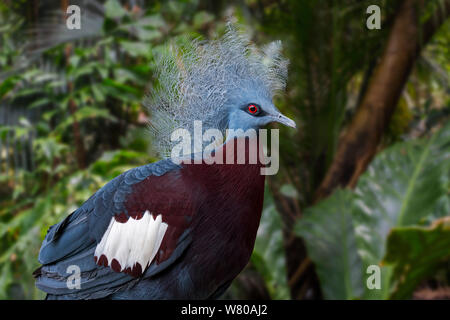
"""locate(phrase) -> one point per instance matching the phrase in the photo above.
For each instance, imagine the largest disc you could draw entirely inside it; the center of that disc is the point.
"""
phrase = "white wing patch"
(130, 247)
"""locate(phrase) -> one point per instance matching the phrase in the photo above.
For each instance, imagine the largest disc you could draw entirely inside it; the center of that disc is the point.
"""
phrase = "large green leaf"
(416, 253)
(405, 185)
(331, 243)
(268, 256)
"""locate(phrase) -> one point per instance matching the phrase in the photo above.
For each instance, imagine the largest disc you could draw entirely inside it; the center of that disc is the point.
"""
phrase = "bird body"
(177, 229)
(223, 231)
(214, 232)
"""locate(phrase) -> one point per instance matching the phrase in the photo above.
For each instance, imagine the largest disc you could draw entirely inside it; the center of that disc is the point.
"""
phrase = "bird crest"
(195, 80)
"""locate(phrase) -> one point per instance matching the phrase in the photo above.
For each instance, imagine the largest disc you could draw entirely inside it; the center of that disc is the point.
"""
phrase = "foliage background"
(71, 119)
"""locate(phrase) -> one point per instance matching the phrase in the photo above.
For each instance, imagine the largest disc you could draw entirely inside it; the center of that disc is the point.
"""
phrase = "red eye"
(252, 109)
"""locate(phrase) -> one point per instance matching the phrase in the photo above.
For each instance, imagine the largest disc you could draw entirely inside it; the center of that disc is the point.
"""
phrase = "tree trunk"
(302, 280)
(358, 143)
(80, 152)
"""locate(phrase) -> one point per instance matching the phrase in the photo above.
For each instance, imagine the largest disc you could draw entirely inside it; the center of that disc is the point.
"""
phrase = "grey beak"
(284, 120)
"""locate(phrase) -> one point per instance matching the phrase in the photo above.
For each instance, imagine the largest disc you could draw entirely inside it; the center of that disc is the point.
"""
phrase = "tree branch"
(359, 142)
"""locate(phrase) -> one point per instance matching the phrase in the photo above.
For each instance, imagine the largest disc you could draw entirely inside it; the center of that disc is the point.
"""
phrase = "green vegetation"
(71, 119)
(406, 185)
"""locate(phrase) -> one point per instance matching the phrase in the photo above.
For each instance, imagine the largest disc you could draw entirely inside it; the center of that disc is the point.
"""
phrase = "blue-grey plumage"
(164, 230)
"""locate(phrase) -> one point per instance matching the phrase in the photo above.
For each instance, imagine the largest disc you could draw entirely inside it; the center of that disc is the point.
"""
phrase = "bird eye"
(253, 109)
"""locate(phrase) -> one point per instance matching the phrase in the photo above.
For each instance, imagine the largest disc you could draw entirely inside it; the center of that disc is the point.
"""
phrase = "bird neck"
(232, 196)
(241, 149)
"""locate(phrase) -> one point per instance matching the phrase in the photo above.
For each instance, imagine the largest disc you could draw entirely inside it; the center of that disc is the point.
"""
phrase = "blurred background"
(361, 206)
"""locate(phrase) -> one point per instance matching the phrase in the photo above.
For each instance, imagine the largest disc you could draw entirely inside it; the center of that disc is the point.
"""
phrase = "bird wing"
(132, 228)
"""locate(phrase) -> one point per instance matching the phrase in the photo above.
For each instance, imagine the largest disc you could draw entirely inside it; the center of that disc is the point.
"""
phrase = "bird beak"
(281, 118)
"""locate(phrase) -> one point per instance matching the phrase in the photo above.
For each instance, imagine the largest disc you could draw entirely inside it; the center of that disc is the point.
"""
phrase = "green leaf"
(111, 163)
(407, 184)
(416, 253)
(119, 90)
(151, 21)
(6, 279)
(97, 92)
(27, 92)
(268, 256)
(331, 243)
(45, 76)
(136, 49)
(201, 18)
(142, 32)
(92, 112)
(103, 71)
(39, 103)
(123, 75)
(87, 112)
(7, 85)
(148, 35)
(84, 70)
(114, 10)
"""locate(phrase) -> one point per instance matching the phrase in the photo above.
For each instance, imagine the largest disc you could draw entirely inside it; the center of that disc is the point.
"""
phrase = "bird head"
(226, 83)
(251, 107)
